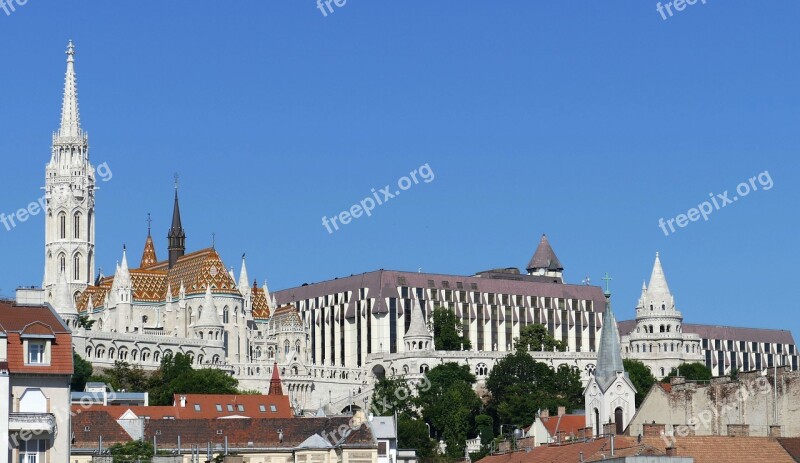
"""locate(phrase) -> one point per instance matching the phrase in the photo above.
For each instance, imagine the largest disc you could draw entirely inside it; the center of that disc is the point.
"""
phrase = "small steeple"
(275, 385)
(544, 260)
(64, 304)
(209, 316)
(244, 280)
(609, 354)
(417, 336)
(658, 293)
(70, 118)
(124, 270)
(176, 236)
(149, 254)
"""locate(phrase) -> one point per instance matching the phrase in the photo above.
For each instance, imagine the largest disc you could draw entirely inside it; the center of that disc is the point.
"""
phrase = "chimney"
(653, 430)
(562, 411)
(544, 413)
(672, 451)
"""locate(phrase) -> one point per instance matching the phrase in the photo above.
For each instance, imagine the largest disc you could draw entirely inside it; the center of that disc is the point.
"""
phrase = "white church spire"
(70, 117)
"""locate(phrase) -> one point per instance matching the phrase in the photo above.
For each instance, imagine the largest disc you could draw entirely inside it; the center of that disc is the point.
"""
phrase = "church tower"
(610, 396)
(176, 236)
(69, 194)
(544, 262)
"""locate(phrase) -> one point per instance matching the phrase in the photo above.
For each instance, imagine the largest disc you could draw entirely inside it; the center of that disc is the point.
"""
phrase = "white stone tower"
(610, 396)
(658, 339)
(69, 190)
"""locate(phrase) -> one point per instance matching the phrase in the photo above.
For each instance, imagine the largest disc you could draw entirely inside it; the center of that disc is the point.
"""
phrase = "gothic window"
(669, 327)
(423, 369)
(62, 262)
(225, 315)
(637, 348)
(651, 328)
(651, 306)
(663, 307)
(77, 225)
(286, 347)
(297, 347)
(62, 225)
(661, 329)
(76, 267)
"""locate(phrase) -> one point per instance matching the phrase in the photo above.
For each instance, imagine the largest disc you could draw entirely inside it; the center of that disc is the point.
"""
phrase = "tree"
(450, 405)
(640, 376)
(413, 434)
(176, 376)
(691, 372)
(82, 372)
(85, 323)
(536, 338)
(447, 333)
(520, 386)
(392, 395)
(135, 450)
(124, 377)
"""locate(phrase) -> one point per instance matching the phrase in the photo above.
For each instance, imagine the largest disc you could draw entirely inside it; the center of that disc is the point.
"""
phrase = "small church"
(610, 396)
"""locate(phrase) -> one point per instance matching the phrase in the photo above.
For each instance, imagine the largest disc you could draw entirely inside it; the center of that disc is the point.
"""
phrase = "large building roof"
(18, 322)
(725, 332)
(195, 271)
(384, 284)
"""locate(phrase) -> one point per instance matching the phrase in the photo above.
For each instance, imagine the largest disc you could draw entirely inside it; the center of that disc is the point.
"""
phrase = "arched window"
(662, 371)
(225, 315)
(76, 225)
(669, 328)
(62, 225)
(286, 347)
(62, 262)
(661, 329)
(76, 267)
(663, 307)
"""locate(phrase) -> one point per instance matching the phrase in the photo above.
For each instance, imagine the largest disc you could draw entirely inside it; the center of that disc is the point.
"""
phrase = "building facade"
(35, 371)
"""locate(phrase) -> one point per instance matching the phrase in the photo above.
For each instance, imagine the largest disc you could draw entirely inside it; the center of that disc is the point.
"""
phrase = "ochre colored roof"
(22, 320)
(260, 306)
(569, 424)
(196, 271)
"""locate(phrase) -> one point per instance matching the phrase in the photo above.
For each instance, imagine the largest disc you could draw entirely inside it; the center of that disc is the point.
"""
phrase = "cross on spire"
(176, 181)
(149, 223)
(607, 278)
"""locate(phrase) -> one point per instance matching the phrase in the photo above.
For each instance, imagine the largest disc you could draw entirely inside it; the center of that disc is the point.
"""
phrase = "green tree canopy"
(124, 377)
(519, 386)
(413, 434)
(535, 337)
(450, 405)
(641, 378)
(447, 331)
(176, 376)
(691, 372)
(82, 372)
(390, 396)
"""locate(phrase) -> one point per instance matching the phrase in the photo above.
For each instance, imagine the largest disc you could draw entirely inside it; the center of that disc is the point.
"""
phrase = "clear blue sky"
(587, 121)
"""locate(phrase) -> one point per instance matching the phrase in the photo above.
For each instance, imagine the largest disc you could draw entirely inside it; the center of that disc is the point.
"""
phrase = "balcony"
(32, 422)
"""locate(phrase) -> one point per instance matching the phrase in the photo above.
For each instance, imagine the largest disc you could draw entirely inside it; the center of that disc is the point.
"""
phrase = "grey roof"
(609, 354)
(383, 427)
(732, 333)
(417, 327)
(315, 441)
(384, 284)
(544, 257)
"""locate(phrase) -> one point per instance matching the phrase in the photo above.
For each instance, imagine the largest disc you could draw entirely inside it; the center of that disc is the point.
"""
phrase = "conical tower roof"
(209, 316)
(544, 258)
(70, 116)
(417, 327)
(275, 385)
(149, 255)
(609, 354)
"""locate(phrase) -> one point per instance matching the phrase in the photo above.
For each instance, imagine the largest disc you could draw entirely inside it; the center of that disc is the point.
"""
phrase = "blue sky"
(587, 121)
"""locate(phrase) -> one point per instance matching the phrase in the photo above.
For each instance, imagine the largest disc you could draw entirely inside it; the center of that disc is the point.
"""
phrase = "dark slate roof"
(725, 332)
(383, 284)
(544, 257)
(263, 433)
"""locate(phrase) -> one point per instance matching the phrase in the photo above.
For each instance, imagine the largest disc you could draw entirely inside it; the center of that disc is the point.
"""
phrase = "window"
(197, 407)
(219, 407)
(273, 408)
(230, 407)
(77, 226)
(240, 408)
(62, 225)
(262, 408)
(32, 451)
(382, 448)
(62, 262)
(36, 353)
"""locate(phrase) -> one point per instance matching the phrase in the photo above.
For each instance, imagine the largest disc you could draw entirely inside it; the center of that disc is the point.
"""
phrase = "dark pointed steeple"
(176, 236)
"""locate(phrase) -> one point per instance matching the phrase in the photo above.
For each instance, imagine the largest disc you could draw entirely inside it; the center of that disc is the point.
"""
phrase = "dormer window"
(36, 350)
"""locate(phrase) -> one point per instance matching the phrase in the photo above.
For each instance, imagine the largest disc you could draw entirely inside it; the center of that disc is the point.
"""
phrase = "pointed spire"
(149, 254)
(270, 299)
(209, 315)
(70, 118)
(124, 266)
(609, 355)
(275, 385)
(64, 304)
(176, 236)
(658, 293)
(243, 278)
(544, 258)
(417, 327)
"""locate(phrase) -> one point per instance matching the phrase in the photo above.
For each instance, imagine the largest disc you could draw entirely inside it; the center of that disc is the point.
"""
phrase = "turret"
(544, 261)
(417, 336)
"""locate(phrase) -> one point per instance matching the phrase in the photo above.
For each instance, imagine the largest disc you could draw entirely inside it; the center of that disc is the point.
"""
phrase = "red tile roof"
(569, 424)
(40, 320)
(89, 427)
(231, 406)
